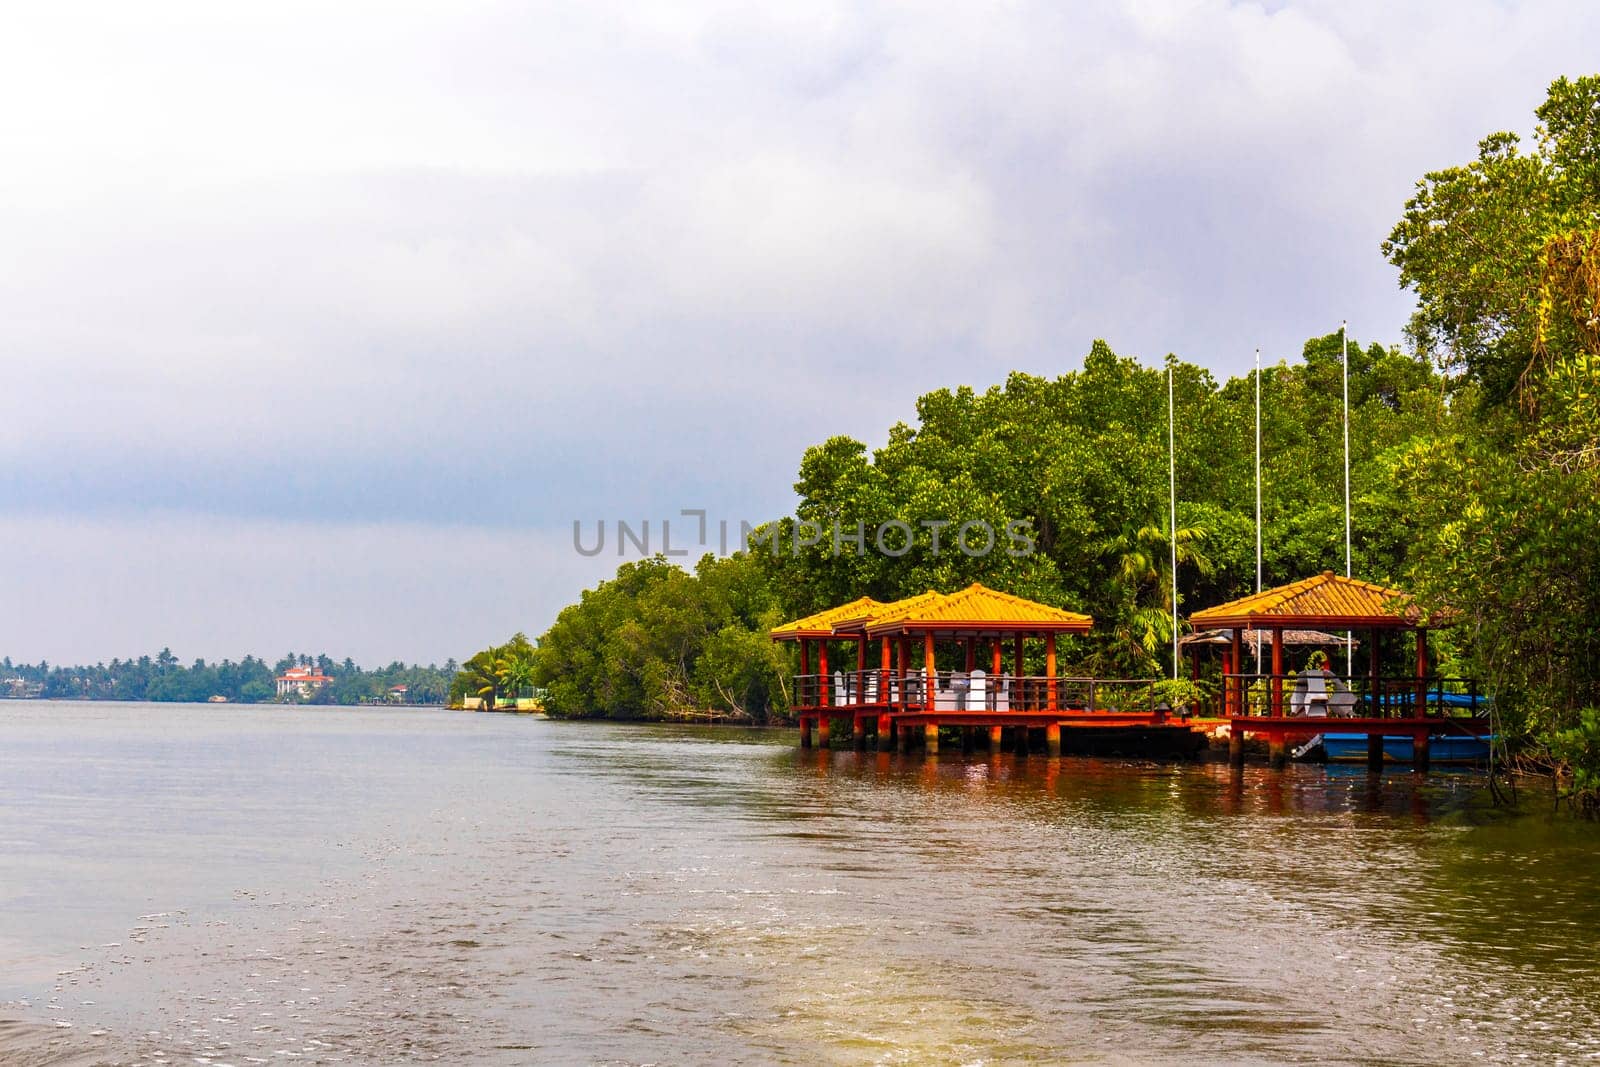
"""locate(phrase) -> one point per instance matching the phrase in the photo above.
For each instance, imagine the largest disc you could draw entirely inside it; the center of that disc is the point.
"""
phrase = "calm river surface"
(244, 885)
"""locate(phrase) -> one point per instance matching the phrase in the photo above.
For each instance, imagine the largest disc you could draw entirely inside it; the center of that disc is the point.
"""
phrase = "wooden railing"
(1336, 697)
(975, 691)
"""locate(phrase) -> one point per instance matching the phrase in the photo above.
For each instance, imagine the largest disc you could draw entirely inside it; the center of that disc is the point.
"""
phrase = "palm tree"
(513, 666)
(478, 677)
(1143, 585)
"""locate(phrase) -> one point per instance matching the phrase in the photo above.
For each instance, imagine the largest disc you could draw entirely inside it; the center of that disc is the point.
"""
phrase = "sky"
(322, 324)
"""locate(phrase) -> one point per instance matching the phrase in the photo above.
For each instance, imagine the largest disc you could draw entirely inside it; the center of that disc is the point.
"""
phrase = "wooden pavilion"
(1378, 704)
(899, 694)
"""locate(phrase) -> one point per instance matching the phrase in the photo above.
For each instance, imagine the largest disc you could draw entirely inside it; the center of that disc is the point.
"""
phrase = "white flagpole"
(1258, 497)
(1172, 494)
(1344, 347)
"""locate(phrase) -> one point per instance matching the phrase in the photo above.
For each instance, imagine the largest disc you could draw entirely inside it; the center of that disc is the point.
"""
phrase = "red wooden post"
(861, 669)
(995, 738)
(1277, 671)
(885, 666)
(1052, 739)
(805, 731)
(995, 667)
(822, 689)
(1050, 668)
(1227, 683)
(885, 732)
(933, 676)
(972, 654)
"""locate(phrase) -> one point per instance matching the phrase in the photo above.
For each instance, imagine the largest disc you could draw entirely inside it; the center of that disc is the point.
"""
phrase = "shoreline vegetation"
(163, 679)
(1475, 467)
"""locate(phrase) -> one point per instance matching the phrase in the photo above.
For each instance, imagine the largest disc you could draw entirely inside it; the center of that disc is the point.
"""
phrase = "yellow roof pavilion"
(1327, 601)
(976, 610)
(822, 623)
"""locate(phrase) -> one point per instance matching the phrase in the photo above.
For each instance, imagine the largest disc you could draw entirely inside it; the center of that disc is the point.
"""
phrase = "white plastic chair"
(1342, 702)
(1297, 699)
(978, 691)
(1317, 692)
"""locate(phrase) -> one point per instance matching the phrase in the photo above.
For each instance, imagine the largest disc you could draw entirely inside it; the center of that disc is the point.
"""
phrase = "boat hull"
(1352, 748)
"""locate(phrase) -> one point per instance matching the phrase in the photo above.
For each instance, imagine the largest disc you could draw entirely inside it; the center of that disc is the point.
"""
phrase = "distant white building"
(301, 681)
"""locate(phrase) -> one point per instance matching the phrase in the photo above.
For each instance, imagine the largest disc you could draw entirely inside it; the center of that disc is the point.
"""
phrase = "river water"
(232, 885)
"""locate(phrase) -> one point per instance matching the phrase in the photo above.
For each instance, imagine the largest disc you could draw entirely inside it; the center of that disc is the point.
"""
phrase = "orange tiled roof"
(821, 624)
(977, 607)
(1325, 600)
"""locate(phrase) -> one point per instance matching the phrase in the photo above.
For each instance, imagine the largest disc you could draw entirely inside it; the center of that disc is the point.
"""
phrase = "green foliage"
(1471, 239)
(657, 641)
(1578, 746)
(1180, 694)
(1503, 254)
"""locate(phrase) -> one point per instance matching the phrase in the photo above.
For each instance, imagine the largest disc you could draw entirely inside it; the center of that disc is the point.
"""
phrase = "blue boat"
(1442, 748)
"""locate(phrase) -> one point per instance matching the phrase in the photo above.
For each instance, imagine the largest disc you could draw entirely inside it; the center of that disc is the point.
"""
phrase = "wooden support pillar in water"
(805, 732)
(903, 738)
(858, 733)
(1419, 752)
(1374, 752)
(824, 731)
(885, 735)
(1277, 751)
(930, 737)
(1052, 739)
(996, 733)
(1236, 746)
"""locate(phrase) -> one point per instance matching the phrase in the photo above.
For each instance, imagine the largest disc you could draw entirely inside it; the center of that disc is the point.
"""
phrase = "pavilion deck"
(1420, 708)
(889, 703)
(885, 707)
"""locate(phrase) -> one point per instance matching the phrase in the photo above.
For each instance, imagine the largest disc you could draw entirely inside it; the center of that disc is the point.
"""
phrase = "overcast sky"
(321, 323)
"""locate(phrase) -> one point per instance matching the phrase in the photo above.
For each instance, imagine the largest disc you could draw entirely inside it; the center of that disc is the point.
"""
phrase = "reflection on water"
(250, 885)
